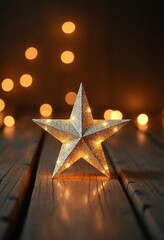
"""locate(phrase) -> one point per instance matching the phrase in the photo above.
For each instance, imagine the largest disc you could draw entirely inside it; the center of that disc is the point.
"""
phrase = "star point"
(81, 136)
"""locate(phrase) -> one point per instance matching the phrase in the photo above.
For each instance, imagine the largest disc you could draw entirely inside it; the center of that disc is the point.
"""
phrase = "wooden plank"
(18, 147)
(83, 206)
(156, 130)
(139, 163)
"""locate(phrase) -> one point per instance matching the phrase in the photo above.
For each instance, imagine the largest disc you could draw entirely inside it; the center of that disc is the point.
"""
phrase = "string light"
(70, 98)
(46, 110)
(9, 121)
(26, 80)
(67, 165)
(67, 57)
(68, 27)
(7, 85)
(116, 115)
(105, 124)
(88, 109)
(2, 105)
(31, 53)
(142, 119)
(115, 129)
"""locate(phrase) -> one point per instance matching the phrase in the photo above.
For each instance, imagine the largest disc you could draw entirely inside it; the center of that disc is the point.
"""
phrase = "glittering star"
(81, 136)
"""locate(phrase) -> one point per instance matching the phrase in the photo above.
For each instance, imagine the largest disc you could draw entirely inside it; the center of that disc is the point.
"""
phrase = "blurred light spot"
(45, 110)
(107, 114)
(7, 85)
(67, 57)
(68, 27)
(26, 80)
(116, 115)
(31, 53)
(70, 98)
(142, 119)
(2, 105)
(9, 121)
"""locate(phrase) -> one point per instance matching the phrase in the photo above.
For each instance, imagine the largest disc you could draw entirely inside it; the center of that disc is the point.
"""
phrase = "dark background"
(118, 47)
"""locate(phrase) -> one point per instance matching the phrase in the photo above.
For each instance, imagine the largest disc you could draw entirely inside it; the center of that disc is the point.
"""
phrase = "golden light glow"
(116, 115)
(31, 53)
(26, 80)
(107, 114)
(105, 123)
(7, 85)
(68, 27)
(67, 57)
(46, 110)
(58, 162)
(106, 167)
(88, 109)
(9, 121)
(67, 165)
(2, 105)
(142, 119)
(115, 129)
(98, 142)
(70, 98)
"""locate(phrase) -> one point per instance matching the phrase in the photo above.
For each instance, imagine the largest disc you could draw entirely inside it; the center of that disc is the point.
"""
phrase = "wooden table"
(82, 204)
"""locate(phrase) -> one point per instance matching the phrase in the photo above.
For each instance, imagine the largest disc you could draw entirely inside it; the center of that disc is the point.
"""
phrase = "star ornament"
(81, 136)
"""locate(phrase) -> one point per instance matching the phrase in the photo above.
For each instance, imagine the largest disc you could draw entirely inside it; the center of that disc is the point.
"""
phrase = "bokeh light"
(46, 110)
(107, 114)
(68, 27)
(7, 85)
(26, 80)
(142, 119)
(70, 98)
(31, 53)
(116, 115)
(67, 57)
(9, 121)
(2, 105)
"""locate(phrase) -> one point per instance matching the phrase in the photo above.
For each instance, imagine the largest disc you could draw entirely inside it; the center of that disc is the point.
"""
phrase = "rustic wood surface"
(81, 204)
(139, 164)
(18, 147)
(86, 207)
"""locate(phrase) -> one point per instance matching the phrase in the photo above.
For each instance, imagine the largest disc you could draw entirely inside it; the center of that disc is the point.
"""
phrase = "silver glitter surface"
(81, 136)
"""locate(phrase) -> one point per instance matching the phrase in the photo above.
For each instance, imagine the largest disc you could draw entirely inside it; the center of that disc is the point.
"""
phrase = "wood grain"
(18, 146)
(139, 163)
(79, 207)
(156, 130)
